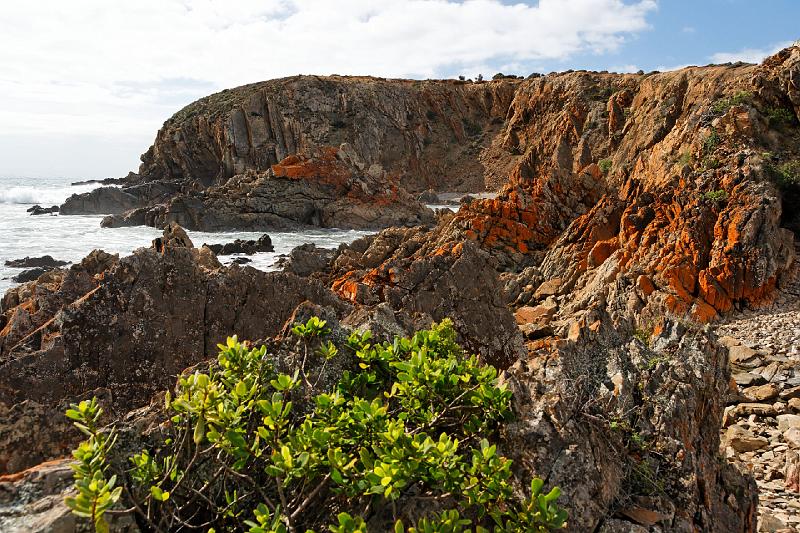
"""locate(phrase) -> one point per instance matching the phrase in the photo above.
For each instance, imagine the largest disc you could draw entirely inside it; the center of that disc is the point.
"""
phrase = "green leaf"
(199, 430)
(100, 525)
(158, 494)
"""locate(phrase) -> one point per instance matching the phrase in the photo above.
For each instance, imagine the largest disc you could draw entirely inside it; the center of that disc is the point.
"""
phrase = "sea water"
(72, 237)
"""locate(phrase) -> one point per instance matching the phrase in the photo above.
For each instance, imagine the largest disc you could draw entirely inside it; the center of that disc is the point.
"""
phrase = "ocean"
(71, 238)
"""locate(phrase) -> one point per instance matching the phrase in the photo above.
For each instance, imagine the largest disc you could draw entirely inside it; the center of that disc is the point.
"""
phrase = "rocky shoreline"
(634, 280)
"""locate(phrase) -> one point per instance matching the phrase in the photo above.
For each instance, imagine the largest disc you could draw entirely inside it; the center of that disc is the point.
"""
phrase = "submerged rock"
(39, 210)
(46, 261)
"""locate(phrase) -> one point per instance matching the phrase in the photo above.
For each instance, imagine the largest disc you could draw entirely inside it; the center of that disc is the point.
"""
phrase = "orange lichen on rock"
(601, 251)
(325, 167)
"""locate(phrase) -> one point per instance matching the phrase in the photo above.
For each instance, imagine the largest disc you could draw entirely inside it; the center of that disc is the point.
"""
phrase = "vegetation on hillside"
(403, 441)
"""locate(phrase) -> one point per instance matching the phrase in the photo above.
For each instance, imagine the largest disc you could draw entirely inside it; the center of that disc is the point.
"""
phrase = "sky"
(85, 84)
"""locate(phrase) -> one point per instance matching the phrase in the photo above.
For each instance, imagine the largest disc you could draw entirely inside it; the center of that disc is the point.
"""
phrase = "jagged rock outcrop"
(462, 284)
(331, 189)
(115, 200)
(629, 431)
(663, 180)
(129, 329)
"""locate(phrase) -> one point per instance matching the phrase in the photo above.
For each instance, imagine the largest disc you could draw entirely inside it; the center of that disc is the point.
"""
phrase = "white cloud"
(749, 55)
(119, 69)
(625, 69)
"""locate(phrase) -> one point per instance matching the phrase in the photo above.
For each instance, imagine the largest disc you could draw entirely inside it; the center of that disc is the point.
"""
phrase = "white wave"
(45, 196)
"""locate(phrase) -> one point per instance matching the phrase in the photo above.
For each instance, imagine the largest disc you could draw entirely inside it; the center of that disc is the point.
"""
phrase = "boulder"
(788, 421)
(743, 356)
(760, 393)
(792, 437)
(742, 440)
(307, 259)
(242, 246)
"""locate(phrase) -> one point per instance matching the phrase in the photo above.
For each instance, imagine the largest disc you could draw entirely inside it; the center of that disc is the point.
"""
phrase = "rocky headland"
(640, 217)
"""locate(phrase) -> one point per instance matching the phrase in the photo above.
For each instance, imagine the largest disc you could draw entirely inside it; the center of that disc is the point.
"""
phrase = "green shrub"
(249, 447)
(685, 158)
(779, 117)
(643, 335)
(718, 196)
(721, 106)
(711, 142)
(96, 492)
(605, 165)
(786, 175)
(710, 162)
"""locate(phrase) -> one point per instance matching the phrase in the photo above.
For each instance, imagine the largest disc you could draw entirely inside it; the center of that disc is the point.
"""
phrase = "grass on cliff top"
(408, 426)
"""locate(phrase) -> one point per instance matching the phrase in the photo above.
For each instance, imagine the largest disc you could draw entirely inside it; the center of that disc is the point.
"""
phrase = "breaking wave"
(45, 196)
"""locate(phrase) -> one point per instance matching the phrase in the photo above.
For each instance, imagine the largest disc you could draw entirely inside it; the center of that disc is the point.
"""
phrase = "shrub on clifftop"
(401, 442)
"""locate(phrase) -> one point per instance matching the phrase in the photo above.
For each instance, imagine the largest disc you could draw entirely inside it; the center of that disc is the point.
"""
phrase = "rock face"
(432, 134)
(399, 136)
(123, 329)
(129, 329)
(595, 412)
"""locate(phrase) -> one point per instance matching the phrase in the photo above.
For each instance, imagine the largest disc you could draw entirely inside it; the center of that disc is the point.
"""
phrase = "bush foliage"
(408, 426)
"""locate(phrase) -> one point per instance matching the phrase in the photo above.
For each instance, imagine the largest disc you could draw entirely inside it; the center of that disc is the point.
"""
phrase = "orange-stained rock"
(703, 312)
(601, 251)
(645, 285)
(539, 314)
